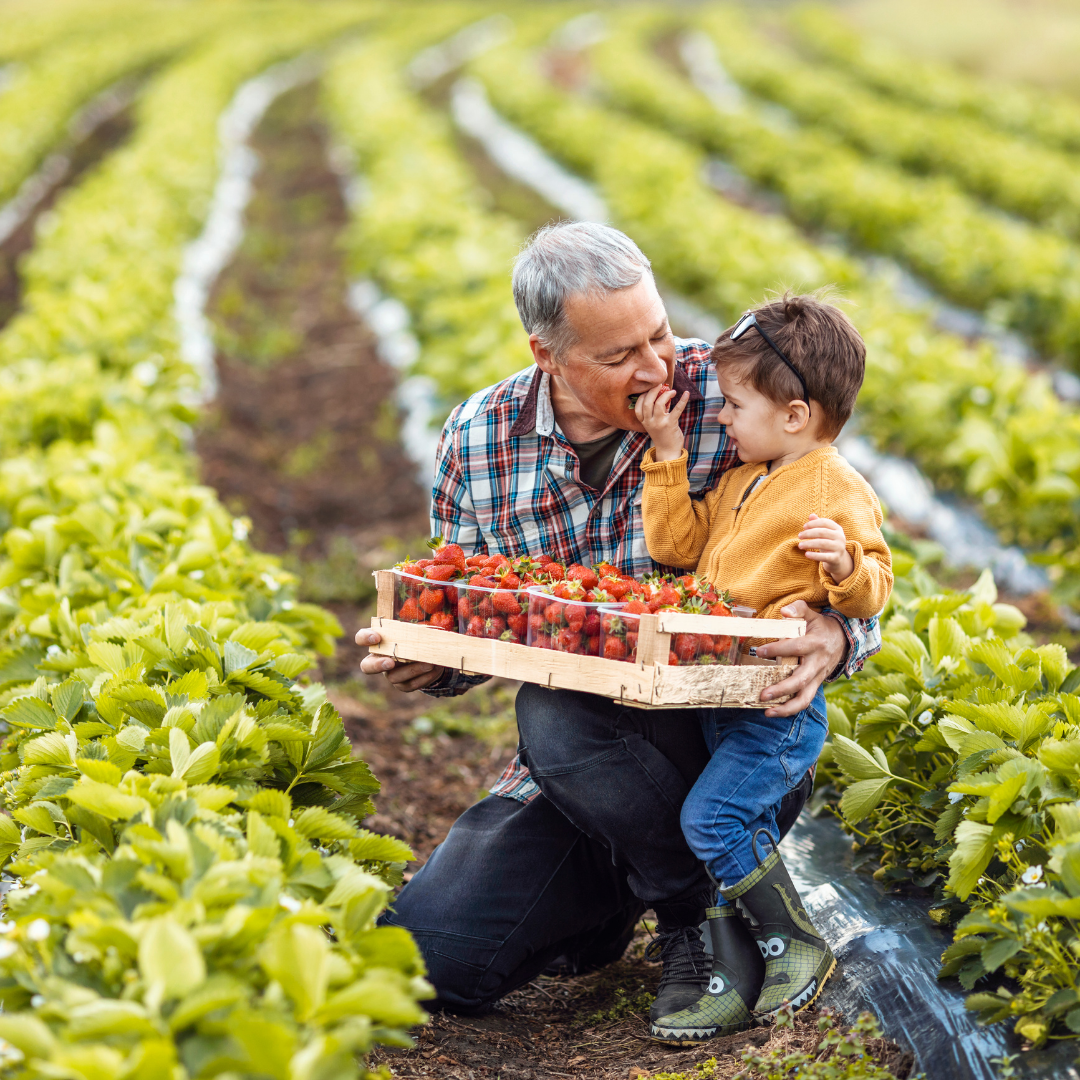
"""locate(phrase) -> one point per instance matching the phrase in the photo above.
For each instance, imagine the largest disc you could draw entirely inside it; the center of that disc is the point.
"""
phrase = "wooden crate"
(649, 682)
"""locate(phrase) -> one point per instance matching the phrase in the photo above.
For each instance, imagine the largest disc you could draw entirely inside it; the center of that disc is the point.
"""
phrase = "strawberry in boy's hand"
(659, 412)
(824, 541)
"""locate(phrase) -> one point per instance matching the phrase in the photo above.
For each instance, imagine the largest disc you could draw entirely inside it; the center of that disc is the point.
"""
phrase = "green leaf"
(68, 698)
(237, 656)
(974, 850)
(862, 797)
(995, 953)
(170, 958)
(297, 956)
(370, 847)
(328, 733)
(1060, 756)
(30, 712)
(947, 638)
(855, 761)
(1003, 796)
(51, 749)
(106, 801)
(381, 994)
(318, 822)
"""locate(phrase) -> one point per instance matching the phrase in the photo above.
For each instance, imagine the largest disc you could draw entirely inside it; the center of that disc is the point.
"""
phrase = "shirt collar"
(537, 415)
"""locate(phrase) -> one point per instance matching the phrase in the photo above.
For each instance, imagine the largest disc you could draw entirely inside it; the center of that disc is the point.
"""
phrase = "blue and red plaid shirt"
(507, 479)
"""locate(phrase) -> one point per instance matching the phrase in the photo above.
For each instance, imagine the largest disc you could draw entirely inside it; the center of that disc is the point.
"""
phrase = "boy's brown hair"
(818, 339)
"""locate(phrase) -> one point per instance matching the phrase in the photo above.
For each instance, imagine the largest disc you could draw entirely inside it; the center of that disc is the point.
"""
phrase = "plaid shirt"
(507, 479)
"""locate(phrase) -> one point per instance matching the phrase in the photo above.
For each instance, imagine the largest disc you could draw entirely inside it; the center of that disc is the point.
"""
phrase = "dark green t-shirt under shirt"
(597, 457)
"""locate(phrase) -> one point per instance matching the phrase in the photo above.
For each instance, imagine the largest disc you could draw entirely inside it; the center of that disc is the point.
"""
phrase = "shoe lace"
(682, 954)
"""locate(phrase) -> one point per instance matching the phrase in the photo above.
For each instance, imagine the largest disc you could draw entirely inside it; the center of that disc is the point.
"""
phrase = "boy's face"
(760, 428)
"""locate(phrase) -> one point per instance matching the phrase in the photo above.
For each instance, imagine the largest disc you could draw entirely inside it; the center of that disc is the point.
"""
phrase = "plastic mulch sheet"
(888, 953)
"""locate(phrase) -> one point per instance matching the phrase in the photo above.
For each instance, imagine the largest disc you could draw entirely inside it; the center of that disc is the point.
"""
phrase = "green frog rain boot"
(797, 958)
(734, 984)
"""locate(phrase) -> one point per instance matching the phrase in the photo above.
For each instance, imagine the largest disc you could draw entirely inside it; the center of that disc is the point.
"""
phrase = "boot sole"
(682, 1036)
(763, 1018)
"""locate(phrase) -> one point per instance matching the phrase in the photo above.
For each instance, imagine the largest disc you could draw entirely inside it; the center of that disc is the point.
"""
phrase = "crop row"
(184, 814)
(974, 423)
(43, 95)
(1053, 119)
(31, 28)
(1028, 278)
(421, 228)
(1011, 172)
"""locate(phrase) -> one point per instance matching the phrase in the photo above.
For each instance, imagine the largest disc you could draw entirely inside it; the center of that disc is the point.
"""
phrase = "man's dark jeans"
(515, 885)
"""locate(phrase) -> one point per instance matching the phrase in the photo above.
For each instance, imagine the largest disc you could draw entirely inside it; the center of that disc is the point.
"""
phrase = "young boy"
(794, 522)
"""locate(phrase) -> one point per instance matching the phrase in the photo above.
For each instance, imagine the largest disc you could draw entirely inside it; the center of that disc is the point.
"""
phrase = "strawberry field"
(251, 254)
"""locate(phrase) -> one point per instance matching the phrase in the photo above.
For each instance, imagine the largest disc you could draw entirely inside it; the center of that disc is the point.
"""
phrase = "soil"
(303, 435)
(72, 162)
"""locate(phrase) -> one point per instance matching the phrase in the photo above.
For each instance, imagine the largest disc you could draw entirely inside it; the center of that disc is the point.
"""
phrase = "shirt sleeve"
(864, 640)
(864, 592)
(453, 516)
(676, 526)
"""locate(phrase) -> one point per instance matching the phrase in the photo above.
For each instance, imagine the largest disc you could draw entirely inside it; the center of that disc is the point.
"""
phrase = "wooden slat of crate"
(682, 622)
(565, 671)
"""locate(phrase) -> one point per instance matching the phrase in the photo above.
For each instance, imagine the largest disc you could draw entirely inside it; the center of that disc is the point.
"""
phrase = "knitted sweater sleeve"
(854, 507)
(676, 527)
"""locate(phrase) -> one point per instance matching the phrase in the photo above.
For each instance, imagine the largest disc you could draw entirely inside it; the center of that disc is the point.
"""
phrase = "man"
(581, 833)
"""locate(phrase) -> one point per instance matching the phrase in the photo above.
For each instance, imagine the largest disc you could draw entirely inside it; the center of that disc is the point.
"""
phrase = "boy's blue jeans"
(756, 760)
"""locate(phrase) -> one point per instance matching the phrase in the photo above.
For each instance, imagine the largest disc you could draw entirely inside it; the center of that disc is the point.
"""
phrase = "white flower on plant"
(289, 903)
(240, 529)
(38, 930)
(37, 1001)
(287, 605)
(53, 650)
(1019, 845)
(197, 575)
(925, 717)
(6, 927)
(1032, 875)
(955, 797)
(270, 581)
(8, 948)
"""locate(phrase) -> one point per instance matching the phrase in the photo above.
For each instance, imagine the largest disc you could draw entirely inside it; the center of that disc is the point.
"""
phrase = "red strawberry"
(506, 602)
(543, 560)
(686, 646)
(554, 571)
(575, 617)
(475, 627)
(612, 624)
(409, 567)
(465, 608)
(721, 645)
(592, 646)
(519, 626)
(577, 572)
(636, 607)
(443, 620)
(690, 584)
(672, 659)
(496, 561)
(483, 581)
(568, 641)
(568, 590)
(409, 611)
(553, 613)
(432, 600)
(509, 580)
(614, 649)
(476, 560)
(616, 588)
(536, 622)
(494, 627)
(668, 596)
(719, 608)
(631, 643)
(424, 563)
(441, 572)
(592, 624)
(606, 569)
(486, 606)
(448, 554)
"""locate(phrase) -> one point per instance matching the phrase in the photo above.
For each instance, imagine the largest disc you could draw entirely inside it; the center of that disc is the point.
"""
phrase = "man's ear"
(542, 355)
(798, 416)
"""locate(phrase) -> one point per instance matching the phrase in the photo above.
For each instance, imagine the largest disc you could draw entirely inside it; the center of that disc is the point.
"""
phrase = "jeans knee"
(708, 830)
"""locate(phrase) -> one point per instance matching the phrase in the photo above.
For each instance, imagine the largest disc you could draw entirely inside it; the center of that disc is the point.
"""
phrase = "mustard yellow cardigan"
(753, 550)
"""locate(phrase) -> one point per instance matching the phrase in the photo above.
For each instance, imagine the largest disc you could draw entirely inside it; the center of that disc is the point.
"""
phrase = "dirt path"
(303, 437)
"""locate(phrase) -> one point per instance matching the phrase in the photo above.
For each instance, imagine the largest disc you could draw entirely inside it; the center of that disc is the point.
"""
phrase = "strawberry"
(476, 560)
(568, 590)
(577, 572)
(409, 611)
(494, 627)
(568, 641)
(616, 588)
(606, 569)
(575, 617)
(631, 643)
(686, 647)
(424, 563)
(614, 649)
(465, 608)
(719, 608)
(554, 571)
(432, 600)
(592, 624)
(537, 622)
(443, 620)
(475, 627)
(413, 569)
(612, 624)
(508, 579)
(553, 613)
(496, 561)
(448, 554)
(721, 645)
(506, 602)
(441, 572)
(485, 606)
(483, 581)
(691, 584)
(668, 596)
(518, 626)
(592, 646)
(543, 560)
(636, 607)
(672, 659)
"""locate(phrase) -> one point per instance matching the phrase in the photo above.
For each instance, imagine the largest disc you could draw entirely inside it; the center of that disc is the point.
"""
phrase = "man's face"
(624, 346)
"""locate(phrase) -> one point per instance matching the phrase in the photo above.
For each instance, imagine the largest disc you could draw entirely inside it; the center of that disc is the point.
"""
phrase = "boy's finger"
(676, 410)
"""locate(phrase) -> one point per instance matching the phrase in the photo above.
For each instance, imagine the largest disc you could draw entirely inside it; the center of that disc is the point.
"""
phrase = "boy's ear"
(798, 416)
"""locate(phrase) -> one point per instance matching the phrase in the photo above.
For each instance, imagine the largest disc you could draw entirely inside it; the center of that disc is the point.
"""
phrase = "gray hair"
(571, 258)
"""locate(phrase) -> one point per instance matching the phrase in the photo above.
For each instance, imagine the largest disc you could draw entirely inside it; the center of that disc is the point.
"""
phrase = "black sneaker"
(685, 973)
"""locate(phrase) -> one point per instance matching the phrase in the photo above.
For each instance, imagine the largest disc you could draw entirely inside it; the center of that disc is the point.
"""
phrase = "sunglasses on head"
(749, 322)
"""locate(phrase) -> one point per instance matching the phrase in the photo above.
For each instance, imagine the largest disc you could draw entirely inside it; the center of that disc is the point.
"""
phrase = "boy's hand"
(652, 409)
(824, 541)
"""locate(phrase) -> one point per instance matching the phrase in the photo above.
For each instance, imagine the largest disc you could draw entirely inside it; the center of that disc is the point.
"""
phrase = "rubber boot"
(734, 984)
(797, 958)
(685, 973)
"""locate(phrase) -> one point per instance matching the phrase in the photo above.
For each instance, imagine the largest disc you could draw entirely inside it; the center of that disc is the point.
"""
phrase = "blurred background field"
(252, 252)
